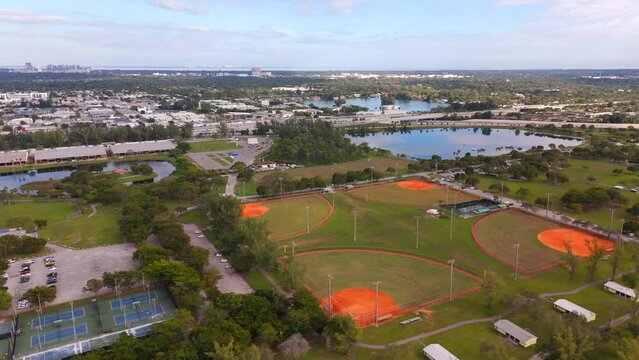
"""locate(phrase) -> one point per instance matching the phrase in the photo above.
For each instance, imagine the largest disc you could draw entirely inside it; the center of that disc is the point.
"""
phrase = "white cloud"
(343, 6)
(188, 6)
(19, 16)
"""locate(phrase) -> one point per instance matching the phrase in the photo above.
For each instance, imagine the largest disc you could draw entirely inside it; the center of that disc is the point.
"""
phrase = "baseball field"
(411, 193)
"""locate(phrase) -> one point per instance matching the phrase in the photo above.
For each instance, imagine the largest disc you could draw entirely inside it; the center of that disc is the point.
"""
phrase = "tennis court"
(59, 334)
(64, 315)
(137, 315)
(117, 304)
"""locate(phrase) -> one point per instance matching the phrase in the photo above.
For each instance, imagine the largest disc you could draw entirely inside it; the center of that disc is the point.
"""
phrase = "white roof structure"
(253, 141)
(69, 153)
(142, 147)
(575, 309)
(438, 352)
(515, 331)
(611, 285)
(10, 157)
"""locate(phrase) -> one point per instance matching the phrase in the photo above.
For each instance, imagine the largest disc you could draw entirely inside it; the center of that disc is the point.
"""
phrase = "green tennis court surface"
(51, 335)
(58, 335)
(117, 304)
(64, 315)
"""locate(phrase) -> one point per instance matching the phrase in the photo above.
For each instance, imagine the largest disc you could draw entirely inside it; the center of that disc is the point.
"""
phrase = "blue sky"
(323, 34)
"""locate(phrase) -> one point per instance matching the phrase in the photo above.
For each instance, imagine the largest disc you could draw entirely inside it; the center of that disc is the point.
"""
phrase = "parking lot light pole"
(516, 259)
(377, 303)
(293, 246)
(354, 226)
(281, 189)
(330, 295)
(243, 189)
(308, 223)
(547, 204)
(450, 292)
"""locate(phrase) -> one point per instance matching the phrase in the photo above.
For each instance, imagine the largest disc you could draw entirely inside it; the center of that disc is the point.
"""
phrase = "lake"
(376, 103)
(452, 142)
(15, 181)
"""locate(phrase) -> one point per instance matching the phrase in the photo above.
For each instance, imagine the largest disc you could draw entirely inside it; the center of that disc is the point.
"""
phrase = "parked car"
(11, 261)
(5, 275)
(198, 232)
(52, 269)
(223, 260)
(218, 254)
(30, 261)
(201, 236)
(52, 280)
(54, 274)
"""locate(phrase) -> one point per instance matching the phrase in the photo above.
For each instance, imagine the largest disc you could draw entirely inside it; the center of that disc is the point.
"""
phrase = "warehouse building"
(618, 289)
(438, 352)
(14, 158)
(142, 147)
(568, 307)
(515, 333)
(73, 153)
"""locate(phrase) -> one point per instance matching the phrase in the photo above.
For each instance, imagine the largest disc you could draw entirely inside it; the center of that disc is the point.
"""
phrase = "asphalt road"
(231, 282)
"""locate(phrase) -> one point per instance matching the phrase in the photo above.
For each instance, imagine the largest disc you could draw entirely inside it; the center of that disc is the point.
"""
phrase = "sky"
(323, 34)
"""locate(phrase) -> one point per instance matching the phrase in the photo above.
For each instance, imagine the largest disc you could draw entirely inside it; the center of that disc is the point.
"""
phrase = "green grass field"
(410, 282)
(499, 232)
(327, 171)
(130, 178)
(213, 145)
(83, 231)
(247, 189)
(51, 211)
(579, 171)
(393, 194)
(288, 216)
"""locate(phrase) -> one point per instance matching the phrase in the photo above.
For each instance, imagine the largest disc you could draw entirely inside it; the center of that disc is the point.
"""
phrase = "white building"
(438, 352)
(515, 333)
(142, 147)
(568, 307)
(27, 96)
(73, 153)
(618, 289)
(14, 158)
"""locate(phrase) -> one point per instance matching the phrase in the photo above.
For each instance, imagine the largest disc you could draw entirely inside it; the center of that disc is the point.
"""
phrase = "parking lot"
(74, 268)
(231, 281)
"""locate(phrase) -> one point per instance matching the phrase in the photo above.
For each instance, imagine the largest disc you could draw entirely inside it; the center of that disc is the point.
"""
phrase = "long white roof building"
(438, 352)
(70, 153)
(566, 306)
(13, 157)
(142, 147)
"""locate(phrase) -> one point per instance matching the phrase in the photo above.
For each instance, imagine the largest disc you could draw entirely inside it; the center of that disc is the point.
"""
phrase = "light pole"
(547, 204)
(450, 292)
(396, 170)
(501, 198)
(417, 233)
(354, 226)
(447, 187)
(308, 223)
(333, 193)
(243, 189)
(377, 302)
(330, 295)
(516, 259)
(281, 188)
(293, 246)
(452, 218)
(612, 215)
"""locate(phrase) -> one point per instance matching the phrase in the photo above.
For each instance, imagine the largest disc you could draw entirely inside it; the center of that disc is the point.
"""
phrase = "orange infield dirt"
(253, 210)
(415, 185)
(360, 301)
(581, 242)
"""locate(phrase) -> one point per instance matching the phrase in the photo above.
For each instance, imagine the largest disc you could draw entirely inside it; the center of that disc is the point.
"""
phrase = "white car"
(11, 261)
(198, 232)
(218, 254)
(224, 261)
(201, 236)
(228, 267)
(5, 275)
(30, 261)
(52, 269)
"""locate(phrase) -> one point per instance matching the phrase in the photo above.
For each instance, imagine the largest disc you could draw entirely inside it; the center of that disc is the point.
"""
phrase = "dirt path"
(93, 210)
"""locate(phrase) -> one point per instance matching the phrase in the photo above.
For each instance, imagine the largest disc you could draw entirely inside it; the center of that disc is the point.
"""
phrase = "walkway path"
(93, 210)
(274, 283)
(230, 184)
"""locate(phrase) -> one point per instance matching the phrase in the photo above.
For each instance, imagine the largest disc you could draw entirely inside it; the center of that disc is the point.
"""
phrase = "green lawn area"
(409, 282)
(83, 231)
(53, 212)
(247, 189)
(196, 216)
(130, 178)
(213, 145)
(257, 281)
(288, 216)
(579, 171)
(327, 171)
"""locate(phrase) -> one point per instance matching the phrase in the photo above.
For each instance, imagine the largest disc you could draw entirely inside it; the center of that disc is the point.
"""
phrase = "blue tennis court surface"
(58, 335)
(129, 300)
(137, 315)
(63, 315)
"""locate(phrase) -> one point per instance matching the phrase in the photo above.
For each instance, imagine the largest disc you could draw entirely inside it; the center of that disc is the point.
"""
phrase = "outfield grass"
(288, 216)
(579, 171)
(499, 232)
(410, 282)
(213, 145)
(327, 171)
(51, 211)
(394, 194)
(83, 231)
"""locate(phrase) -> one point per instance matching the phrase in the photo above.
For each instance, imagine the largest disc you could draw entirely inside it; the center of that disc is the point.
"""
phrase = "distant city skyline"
(323, 34)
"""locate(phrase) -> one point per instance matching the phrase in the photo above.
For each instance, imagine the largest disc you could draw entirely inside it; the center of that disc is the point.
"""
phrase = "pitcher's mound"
(416, 185)
(359, 301)
(581, 242)
(253, 210)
